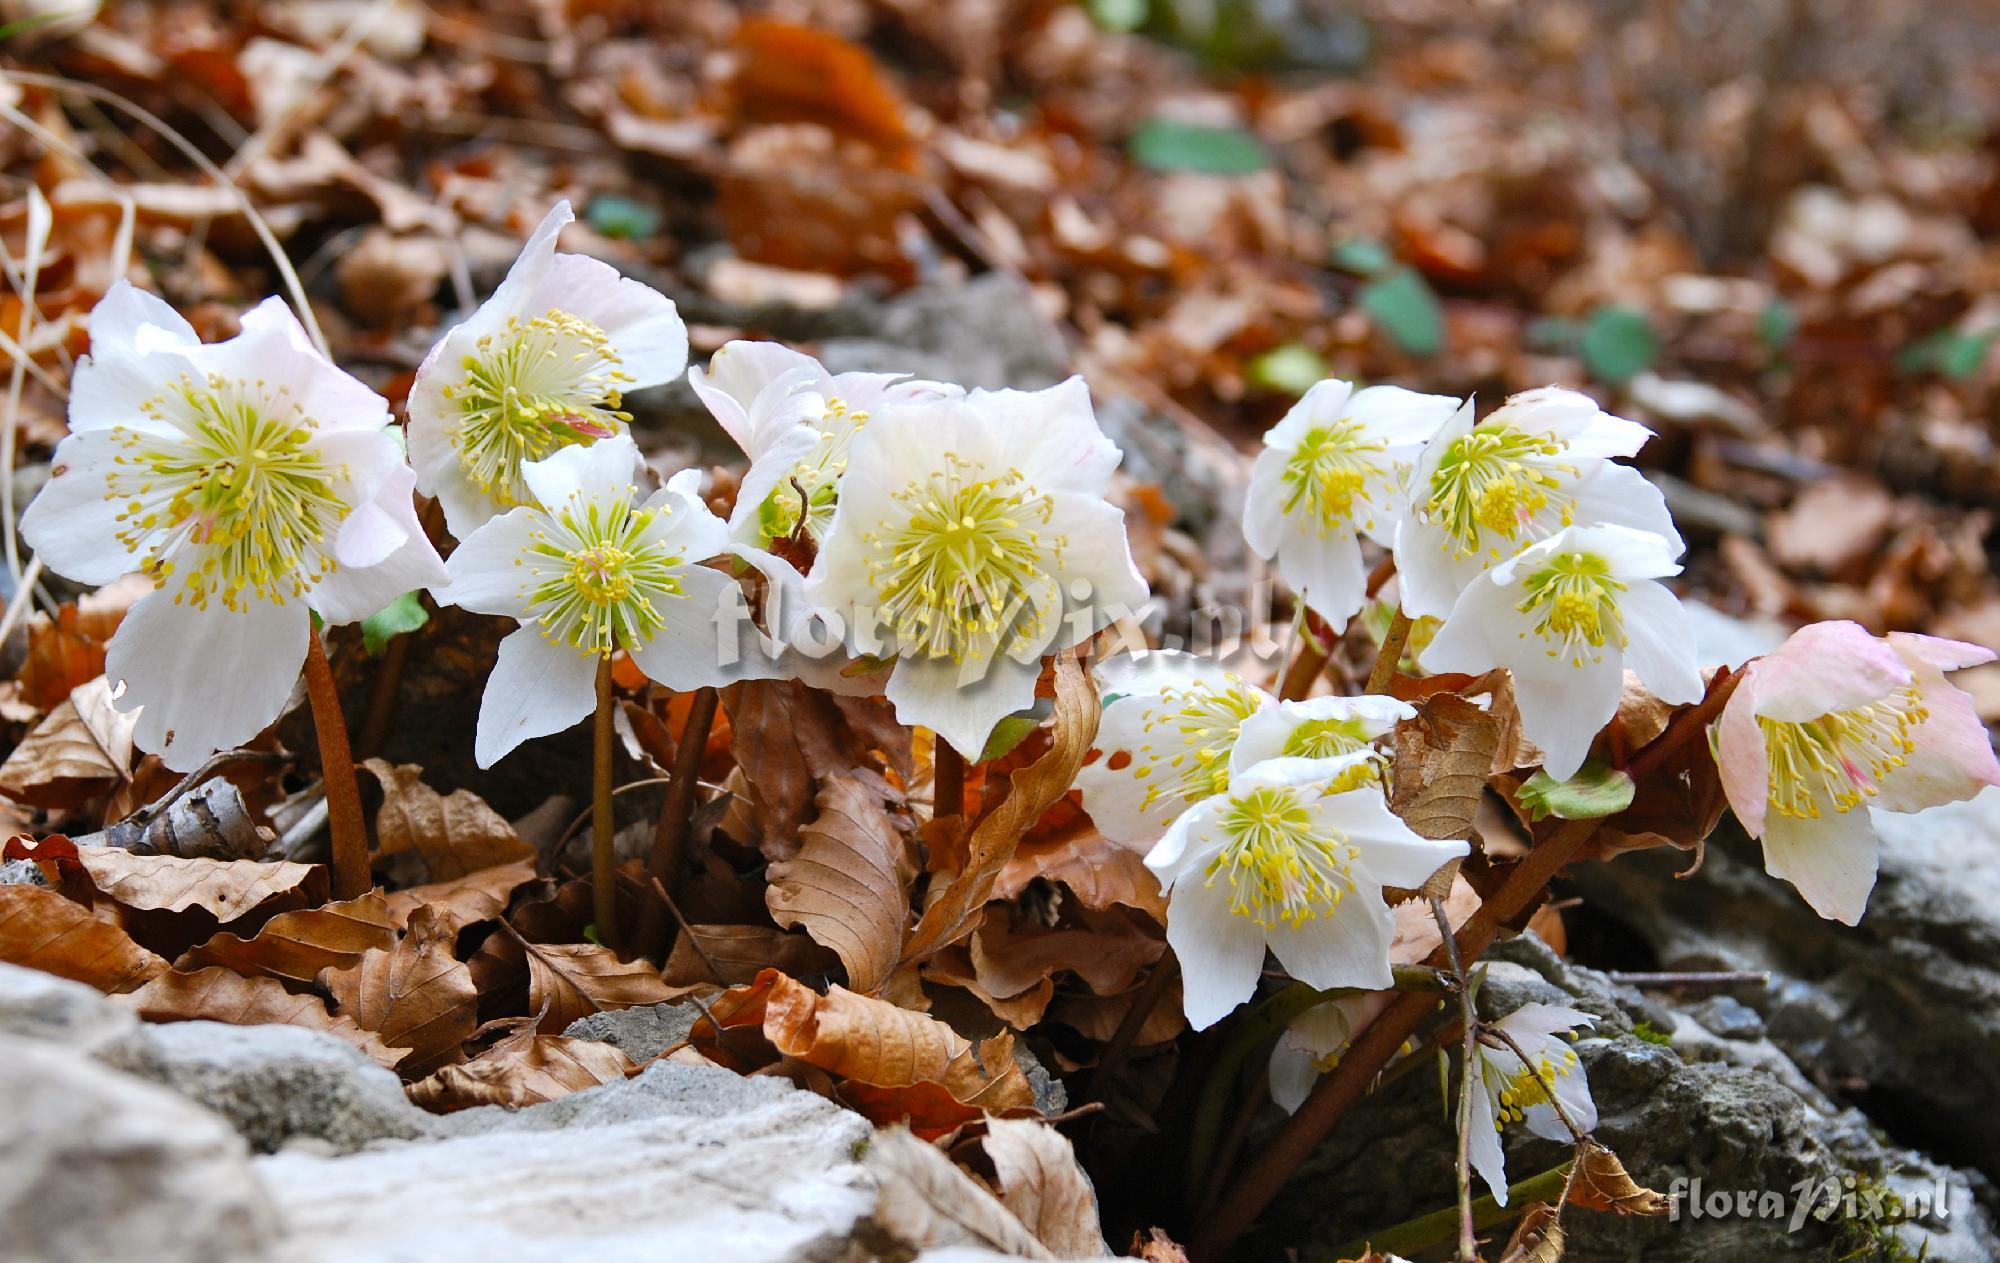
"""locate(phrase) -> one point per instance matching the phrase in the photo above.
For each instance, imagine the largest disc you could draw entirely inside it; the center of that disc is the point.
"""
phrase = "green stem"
(1428, 1230)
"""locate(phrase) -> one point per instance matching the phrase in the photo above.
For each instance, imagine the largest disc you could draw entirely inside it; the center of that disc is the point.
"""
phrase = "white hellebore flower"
(1335, 469)
(1566, 617)
(1317, 1039)
(543, 364)
(1505, 1091)
(975, 534)
(1325, 728)
(1278, 860)
(254, 481)
(1170, 723)
(588, 569)
(1481, 493)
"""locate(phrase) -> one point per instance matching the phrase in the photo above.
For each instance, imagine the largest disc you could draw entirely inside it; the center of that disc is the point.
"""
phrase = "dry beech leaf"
(849, 885)
(81, 750)
(1538, 1238)
(1098, 871)
(856, 1037)
(216, 994)
(463, 901)
(1106, 950)
(1041, 1182)
(954, 914)
(793, 73)
(298, 945)
(523, 1069)
(455, 834)
(932, 1205)
(1443, 757)
(1603, 1184)
(415, 995)
(787, 738)
(168, 883)
(740, 953)
(42, 930)
(568, 981)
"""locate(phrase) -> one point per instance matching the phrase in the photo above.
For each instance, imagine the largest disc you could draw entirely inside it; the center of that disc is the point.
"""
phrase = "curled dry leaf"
(1538, 1238)
(42, 930)
(463, 901)
(415, 995)
(568, 981)
(525, 1068)
(1098, 871)
(856, 1037)
(954, 914)
(81, 750)
(849, 885)
(216, 994)
(787, 738)
(298, 945)
(453, 834)
(1107, 951)
(1443, 757)
(932, 1205)
(1042, 1183)
(226, 888)
(740, 953)
(1603, 1184)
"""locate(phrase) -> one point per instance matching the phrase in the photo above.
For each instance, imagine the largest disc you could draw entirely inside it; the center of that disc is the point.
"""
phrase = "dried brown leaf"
(298, 945)
(1098, 871)
(857, 1037)
(169, 883)
(740, 953)
(1603, 1184)
(216, 994)
(849, 885)
(568, 981)
(932, 1205)
(1042, 1183)
(42, 930)
(1107, 950)
(415, 995)
(455, 834)
(1443, 757)
(463, 901)
(82, 749)
(1538, 1238)
(787, 738)
(525, 1068)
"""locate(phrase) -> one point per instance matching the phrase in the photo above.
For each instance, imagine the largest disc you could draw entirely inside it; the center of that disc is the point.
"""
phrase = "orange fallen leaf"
(215, 994)
(525, 1068)
(849, 885)
(415, 995)
(298, 945)
(42, 930)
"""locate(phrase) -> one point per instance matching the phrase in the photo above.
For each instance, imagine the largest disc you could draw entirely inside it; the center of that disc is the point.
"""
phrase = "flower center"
(1330, 470)
(530, 389)
(1842, 756)
(1528, 1086)
(1331, 738)
(1500, 480)
(1574, 602)
(600, 580)
(1201, 722)
(243, 486)
(1279, 870)
(811, 488)
(965, 569)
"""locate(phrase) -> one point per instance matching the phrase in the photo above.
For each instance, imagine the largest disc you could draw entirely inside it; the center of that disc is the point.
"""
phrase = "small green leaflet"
(1406, 310)
(1363, 256)
(1597, 790)
(404, 614)
(1949, 353)
(1292, 369)
(1164, 145)
(1618, 344)
(625, 218)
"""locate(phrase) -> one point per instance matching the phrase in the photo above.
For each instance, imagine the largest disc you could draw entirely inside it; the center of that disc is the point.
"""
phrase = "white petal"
(686, 653)
(355, 591)
(1220, 953)
(1324, 567)
(1097, 562)
(208, 679)
(536, 688)
(72, 523)
(122, 318)
(1619, 495)
(1831, 860)
(1264, 506)
(1294, 1073)
(608, 466)
(1487, 1156)
(1661, 644)
(737, 374)
(770, 467)
(1189, 830)
(490, 570)
(1391, 852)
(1324, 403)
(1401, 418)
(1053, 434)
(1564, 706)
(1345, 947)
(524, 278)
(963, 712)
(644, 327)
(1429, 573)
(273, 347)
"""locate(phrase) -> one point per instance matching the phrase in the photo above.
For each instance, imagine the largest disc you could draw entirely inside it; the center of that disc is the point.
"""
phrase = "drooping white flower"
(1481, 493)
(589, 568)
(1334, 469)
(1566, 617)
(1170, 724)
(1316, 1040)
(254, 481)
(1835, 721)
(972, 536)
(1324, 728)
(1506, 1091)
(1276, 860)
(544, 363)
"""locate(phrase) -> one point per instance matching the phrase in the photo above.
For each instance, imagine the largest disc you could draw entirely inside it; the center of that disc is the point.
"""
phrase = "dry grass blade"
(523, 1069)
(415, 995)
(933, 1205)
(42, 930)
(1042, 1184)
(297, 946)
(169, 883)
(455, 834)
(849, 886)
(216, 994)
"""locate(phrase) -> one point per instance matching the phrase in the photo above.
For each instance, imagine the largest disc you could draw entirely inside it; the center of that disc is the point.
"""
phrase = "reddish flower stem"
(676, 820)
(1316, 640)
(603, 822)
(349, 869)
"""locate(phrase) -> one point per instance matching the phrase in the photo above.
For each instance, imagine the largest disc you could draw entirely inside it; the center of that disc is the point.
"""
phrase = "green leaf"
(1014, 729)
(1119, 15)
(1618, 344)
(626, 218)
(1164, 145)
(1292, 369)
(1406, 310)
(1552, 335)
(1777, 325)
(1363, 256)
(1949, 353)
(1596, 791)
(404, 614)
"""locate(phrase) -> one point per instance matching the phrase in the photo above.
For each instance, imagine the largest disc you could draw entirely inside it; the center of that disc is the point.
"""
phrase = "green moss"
(1653, 1034)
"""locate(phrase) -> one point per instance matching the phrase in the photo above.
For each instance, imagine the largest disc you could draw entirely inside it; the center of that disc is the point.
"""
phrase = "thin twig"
(1315, 639)
(40, 218)
(1689, 978)
(24, 595)
(687, 928)
(1391, 655)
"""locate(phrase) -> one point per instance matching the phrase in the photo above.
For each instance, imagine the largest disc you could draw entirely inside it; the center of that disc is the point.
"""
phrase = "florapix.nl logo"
(1847, 1199)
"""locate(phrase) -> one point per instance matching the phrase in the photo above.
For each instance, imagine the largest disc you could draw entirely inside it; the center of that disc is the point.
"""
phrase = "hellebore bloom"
(1834, 721)
(1566, 616)
(1324, 728)
(1316, 1040)
(1505, 1091)
(976, 534)
(254, 481)
(588, 569)
(1335, 469)
(1277, 860)
(1481, 493)
(1169, 727)
(543, 364)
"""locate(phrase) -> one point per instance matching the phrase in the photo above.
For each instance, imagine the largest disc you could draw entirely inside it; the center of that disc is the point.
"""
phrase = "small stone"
(1728, 1017)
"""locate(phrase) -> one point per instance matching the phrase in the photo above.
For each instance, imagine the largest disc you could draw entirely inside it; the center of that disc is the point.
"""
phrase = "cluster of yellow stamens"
(1841, 757)
(239, 503)
(531, 388)
(1500, 480)
(812, 487)
(1200, 722)
(968, 567)
(1529, 1086)
(1281, 869)
(1574, 602)
(1331, 738)
(596, 578)
(1330, 470)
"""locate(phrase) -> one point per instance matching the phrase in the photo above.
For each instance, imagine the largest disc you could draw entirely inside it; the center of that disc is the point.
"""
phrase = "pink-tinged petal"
(537, 688)
(1826, 667)
(1953, 759)
(207, 679)
(1220, 953)
(1945, 655)
(72, 523)
(1741, 756)
(1346, 946)
(1831, 860)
